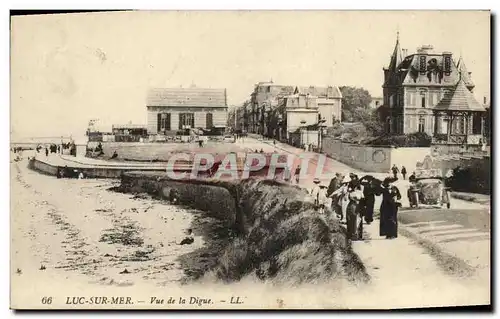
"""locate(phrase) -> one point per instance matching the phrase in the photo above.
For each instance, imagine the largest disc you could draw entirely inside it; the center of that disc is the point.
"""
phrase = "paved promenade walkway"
(405, 265)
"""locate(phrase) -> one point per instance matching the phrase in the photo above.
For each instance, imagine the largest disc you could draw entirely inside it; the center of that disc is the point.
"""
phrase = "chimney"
(425, 49)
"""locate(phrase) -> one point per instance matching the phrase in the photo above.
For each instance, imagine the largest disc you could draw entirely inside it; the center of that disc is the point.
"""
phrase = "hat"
(316, 181)
(346, 179)
(389, 180)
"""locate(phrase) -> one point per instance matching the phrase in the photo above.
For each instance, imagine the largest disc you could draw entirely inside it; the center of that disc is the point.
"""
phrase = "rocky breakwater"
(278, 235)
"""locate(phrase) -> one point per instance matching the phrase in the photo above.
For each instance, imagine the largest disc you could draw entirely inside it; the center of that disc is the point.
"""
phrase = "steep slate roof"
(412, 75)
(325, 91)
(465, 74)
(187, 97)
(396, 57)
(460, 99)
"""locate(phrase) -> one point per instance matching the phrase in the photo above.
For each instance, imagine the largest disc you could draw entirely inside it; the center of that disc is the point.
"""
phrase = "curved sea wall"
(279, 237)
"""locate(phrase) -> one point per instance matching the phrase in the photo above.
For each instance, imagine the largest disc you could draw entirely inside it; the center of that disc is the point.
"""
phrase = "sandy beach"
(77, 238)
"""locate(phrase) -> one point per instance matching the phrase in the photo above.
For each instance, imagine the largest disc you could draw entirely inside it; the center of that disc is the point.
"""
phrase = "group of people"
(353, 198)
(395, 171)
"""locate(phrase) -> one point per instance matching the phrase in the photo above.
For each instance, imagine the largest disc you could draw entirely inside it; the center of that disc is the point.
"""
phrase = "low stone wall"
(217, 197)
(42, 167)
(89, 172)
(377, 159)
(365, 158)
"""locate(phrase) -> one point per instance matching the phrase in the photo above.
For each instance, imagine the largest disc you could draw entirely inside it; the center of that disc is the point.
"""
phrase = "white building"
(301, 110)
(173, 109)
(328, 100)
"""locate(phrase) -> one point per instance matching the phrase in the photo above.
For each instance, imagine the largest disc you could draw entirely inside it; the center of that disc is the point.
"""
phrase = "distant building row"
(277, 110)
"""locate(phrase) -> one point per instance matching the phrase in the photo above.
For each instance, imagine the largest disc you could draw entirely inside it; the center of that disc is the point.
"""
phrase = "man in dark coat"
(403, 172)
(395, 171)
(412, 178)
(370, 185)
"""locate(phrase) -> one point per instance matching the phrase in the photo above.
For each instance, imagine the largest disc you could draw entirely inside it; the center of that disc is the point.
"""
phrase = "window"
(209, 120)
(476, 123)
(186, 120)
(423, 64)
(268, 89)
(422, 98)
(421, 124)
(431, 98)
(447, 64)
(164, 122)
(408, 98)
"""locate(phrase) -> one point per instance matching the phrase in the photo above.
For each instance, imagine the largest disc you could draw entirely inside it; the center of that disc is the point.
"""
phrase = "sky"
(67, 69)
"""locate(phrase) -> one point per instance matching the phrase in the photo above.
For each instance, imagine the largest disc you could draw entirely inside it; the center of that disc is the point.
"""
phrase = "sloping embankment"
(279, 234)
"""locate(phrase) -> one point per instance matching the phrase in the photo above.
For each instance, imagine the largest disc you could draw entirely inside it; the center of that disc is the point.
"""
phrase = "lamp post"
(321, 125)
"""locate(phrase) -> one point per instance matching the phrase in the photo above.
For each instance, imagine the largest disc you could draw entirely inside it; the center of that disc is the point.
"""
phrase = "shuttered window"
(164, 122)
(209, 120)
(186, 120)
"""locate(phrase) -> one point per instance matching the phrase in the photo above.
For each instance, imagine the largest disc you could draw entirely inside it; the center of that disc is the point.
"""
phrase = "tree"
(353, 99)
(231, 114)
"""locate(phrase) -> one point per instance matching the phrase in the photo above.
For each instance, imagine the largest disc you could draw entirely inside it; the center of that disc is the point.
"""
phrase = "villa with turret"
(431, 92)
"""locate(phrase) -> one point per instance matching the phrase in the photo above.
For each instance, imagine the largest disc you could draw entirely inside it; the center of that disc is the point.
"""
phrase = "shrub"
(417, 139)
(473, 179)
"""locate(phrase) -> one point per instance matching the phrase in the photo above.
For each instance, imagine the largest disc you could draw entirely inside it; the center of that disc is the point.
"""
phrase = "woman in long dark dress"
(389, 209)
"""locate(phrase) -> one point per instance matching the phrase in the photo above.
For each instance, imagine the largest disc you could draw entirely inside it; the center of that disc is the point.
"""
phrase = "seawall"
(88, 171)
(279, 235)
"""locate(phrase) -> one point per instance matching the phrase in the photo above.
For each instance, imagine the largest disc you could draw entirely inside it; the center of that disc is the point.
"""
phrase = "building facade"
(415, 84)
(174, 109)
(328, 100)
(301, 110)
(265, 97)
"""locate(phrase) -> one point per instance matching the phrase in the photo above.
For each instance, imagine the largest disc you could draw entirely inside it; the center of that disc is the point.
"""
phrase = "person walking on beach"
(403, 172)
(46, 151)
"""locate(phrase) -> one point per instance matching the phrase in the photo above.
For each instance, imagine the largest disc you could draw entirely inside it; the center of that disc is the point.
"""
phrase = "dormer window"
(423, 64)
(447, 64)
